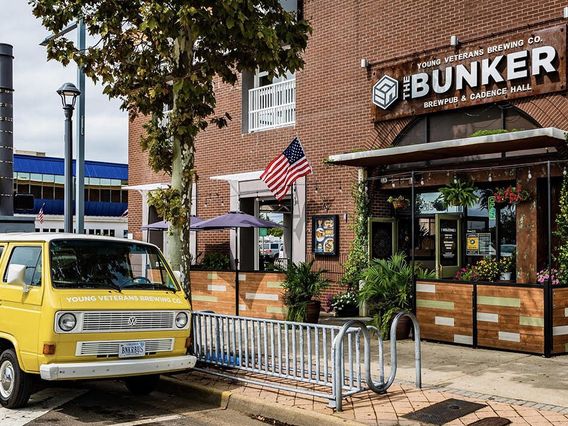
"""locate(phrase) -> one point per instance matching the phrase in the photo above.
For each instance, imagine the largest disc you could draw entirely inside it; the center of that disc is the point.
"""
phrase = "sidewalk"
(522, 388)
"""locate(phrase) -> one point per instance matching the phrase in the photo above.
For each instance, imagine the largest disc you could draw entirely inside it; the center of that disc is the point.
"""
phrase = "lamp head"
(68, 93)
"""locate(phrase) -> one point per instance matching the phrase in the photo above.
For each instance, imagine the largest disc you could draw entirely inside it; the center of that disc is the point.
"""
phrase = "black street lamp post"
(68, 93)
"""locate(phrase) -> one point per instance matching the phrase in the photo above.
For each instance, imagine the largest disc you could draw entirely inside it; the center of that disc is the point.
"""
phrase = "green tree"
(153, 53)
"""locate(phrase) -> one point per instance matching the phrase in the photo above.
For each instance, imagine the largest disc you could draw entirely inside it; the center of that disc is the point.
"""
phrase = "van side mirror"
(16, 275)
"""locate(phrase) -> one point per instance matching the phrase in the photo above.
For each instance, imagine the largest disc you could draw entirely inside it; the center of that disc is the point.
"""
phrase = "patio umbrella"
(235, 220)
(163, 225)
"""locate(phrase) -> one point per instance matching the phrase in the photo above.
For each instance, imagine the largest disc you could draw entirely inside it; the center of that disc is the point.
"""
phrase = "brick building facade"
(334, 114)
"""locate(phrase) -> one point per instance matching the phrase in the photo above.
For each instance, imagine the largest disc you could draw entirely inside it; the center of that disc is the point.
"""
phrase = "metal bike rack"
(324, 360)
(381, 386)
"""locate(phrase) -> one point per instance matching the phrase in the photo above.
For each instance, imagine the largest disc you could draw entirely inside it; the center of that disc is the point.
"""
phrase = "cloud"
(38, 116)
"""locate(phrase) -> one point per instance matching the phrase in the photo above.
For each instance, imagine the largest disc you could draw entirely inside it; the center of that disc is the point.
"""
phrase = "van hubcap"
(6, 379)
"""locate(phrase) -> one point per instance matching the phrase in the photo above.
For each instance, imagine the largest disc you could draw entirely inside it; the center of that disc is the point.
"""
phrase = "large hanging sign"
(525, 64)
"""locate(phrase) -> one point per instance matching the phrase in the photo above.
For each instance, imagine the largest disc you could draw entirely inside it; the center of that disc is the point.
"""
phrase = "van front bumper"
(127, 367)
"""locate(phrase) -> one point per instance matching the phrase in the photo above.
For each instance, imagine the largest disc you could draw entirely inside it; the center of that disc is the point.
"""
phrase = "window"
(30, 257)
(270, 101)
(115, 196)
(463, 123)
(105, 195)
(48, 192)
(59, 194)
(94, 194)
(23, 188)
(105, 264)
(36, 191)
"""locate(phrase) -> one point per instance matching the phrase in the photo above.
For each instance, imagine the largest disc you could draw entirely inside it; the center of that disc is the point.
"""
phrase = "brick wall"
(333, 101)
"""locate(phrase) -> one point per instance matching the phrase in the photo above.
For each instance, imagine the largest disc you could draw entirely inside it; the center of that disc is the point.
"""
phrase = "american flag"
(40, 216)
(285, 169)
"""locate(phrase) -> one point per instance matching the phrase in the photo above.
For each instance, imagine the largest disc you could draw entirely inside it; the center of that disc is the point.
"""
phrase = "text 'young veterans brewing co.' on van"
(78, 307)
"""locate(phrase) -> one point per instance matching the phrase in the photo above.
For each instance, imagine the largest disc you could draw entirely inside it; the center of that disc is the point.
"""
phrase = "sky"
(38, 115)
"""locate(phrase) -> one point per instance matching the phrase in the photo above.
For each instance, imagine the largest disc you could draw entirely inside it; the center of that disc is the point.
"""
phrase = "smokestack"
(6, 131)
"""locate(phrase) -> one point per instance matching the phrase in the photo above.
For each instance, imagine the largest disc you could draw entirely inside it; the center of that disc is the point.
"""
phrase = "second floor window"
(271, 102)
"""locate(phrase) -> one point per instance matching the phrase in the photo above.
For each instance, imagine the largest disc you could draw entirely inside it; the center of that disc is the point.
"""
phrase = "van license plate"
(131, 349)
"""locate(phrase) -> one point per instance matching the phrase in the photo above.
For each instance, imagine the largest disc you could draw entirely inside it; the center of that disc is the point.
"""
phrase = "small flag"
(40, 216)
(285, 169)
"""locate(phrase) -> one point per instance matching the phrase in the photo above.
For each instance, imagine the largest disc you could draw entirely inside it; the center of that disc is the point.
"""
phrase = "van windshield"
(108, 264)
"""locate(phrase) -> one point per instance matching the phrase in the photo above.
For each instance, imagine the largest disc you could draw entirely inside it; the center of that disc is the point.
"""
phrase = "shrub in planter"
(215, 262)
(506, 267)
(466, 273)
(301, 286)
(487, 269)
(543, 276)
(345, 304)
(387, 288)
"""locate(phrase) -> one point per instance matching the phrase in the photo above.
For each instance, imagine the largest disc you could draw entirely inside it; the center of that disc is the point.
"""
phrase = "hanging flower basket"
(399, 202)
(511, 195)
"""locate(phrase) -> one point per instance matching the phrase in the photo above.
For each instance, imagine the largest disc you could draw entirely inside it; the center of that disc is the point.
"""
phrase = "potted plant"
(511, 195)
(543, 276)
(345, 304)
(459, 193)
(487, 269)
(387, 289)
(506, 266)
(301, 286)
(466, 273)
(400, 202)
(214, 261)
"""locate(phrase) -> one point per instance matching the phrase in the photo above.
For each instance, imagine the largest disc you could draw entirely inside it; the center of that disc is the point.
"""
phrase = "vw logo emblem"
(132, 321)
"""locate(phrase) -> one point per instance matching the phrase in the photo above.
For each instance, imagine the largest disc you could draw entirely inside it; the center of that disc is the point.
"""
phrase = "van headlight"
(67, 322)
(181, 319)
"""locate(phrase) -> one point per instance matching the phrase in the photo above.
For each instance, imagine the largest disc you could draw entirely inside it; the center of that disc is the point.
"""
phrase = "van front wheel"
(142, 385)
(15, 384)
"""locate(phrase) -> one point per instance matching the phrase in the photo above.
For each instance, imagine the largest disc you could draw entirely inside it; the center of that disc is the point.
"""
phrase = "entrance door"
(383, 241)
(448, 244)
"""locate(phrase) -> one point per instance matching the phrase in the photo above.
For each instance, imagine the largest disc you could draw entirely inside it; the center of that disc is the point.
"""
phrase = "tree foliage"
(562, 233)
(174, 52)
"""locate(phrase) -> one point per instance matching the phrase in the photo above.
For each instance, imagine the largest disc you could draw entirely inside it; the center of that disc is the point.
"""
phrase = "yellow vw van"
(85, 307)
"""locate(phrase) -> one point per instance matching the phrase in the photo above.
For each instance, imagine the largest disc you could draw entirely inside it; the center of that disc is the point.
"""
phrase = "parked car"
(86, 307)
(508, 249)
(271, 249)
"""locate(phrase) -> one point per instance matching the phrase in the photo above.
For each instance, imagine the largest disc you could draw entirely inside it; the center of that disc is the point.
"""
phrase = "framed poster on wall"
(325, 235)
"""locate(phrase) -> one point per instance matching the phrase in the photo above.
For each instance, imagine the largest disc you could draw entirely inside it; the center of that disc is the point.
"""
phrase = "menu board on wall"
(449, 242)
(325, 233)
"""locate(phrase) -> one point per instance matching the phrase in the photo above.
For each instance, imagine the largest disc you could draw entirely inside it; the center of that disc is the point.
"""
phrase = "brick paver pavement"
(388, 409)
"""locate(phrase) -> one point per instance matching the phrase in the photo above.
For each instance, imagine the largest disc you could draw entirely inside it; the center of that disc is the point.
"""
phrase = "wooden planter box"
(260, 293)
(494, 315)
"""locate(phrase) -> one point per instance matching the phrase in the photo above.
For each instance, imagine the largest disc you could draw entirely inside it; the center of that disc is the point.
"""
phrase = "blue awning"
(54, 166)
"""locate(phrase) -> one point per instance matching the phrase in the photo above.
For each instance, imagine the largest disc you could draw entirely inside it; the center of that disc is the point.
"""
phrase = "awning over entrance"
(549, 137)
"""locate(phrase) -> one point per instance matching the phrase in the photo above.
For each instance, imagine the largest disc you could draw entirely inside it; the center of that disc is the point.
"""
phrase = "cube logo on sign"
(385, 92)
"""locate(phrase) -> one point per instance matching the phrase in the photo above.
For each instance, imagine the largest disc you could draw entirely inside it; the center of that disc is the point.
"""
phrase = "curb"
(253, 406)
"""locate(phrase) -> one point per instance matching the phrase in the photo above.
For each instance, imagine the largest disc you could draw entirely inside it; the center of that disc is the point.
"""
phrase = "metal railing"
(325, 358)
(272, 106)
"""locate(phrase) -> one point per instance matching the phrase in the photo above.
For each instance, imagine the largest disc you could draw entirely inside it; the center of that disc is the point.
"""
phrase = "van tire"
(17, 394)
(142, 385)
